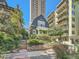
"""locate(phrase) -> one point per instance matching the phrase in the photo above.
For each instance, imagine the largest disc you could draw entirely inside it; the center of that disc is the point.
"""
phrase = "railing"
(62, 18)
(61, 6)
(65, 10)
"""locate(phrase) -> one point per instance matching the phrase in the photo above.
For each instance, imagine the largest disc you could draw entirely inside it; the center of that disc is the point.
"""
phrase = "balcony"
(52, 20)
(65, 28)
(66, 31)
(64, 4)
(64, 24)
(65, 34)
(62, 18)
(52, 24)
(63, 11)
(63, 14)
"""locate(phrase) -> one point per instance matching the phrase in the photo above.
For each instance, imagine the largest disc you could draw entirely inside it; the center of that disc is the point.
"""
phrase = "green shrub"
(44, 37)
(33, 36)
(35, 42)
(8, 42)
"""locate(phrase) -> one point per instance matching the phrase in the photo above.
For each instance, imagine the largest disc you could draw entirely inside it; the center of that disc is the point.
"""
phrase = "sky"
(25, 8)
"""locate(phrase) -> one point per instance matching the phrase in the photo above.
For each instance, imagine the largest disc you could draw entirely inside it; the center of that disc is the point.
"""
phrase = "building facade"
(52, 20)
(76, 3)
(3, 2)
(77, 15)
(37, 8)
(66, 20)
(38, 22)
(39, 25)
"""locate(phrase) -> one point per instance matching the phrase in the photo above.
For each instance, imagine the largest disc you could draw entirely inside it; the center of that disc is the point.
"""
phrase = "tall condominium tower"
(66, 16)
(66, 20)
(37, 8)
(3, 2)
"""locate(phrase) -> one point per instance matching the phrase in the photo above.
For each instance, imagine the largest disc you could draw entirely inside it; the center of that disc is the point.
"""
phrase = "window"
(41, 23)
(34, 31)
(73, 25)
(73, 19)
(73, 6)
(66, 31)
(0, 8)
(73, 13)
(73, 32)
(72, 0)
(72, 41)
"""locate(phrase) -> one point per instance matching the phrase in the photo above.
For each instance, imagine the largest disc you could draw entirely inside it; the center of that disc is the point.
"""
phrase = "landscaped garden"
(37, 42)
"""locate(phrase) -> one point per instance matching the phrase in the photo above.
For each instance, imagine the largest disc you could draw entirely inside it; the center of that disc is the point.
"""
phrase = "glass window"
(73, 25)
(0, 8)
(73, 6)
(73, 32)
(73, 19)
(34, 31)
(73, 13)
(72, 0)
(66, 31)
(41, 23)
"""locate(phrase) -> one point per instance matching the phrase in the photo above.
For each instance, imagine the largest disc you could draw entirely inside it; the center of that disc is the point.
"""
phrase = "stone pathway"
(42, 57)
(49, 54)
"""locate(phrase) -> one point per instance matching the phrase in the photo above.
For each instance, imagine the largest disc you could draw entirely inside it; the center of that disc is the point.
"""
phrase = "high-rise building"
(37, 16)
(37, 8)
(67, 20)
(77, 15)
(3, 2)
(52, 20)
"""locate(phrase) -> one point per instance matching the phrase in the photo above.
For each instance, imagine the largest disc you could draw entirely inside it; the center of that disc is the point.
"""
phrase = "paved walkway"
(48, 54)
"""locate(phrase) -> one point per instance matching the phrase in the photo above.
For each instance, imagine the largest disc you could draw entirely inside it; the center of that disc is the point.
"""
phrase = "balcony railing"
(63, 24)
(52, 20)
(64, 4)
(65, 34)
(62, 18)
(52, 24)
(65, 10)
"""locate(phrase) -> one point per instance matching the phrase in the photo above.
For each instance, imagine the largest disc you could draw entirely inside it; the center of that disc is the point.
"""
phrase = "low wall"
(39, 47)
